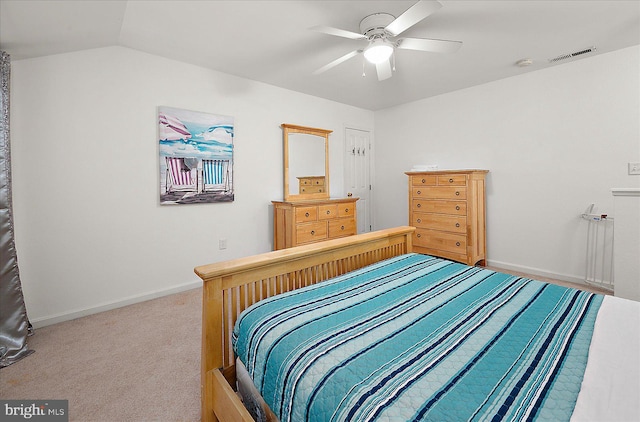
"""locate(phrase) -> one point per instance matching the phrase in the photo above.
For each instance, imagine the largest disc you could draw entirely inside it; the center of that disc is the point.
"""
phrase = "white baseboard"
(67, 316)
(536, 272)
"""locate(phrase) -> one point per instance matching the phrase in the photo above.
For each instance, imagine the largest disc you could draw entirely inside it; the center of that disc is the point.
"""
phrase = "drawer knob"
(341, 227)
(328, 212)
(424, 180)
(419, 220)
(457, 207)
(457, 193)
(313, 232)
(306, 214)
(457, 224)
(450, 180)
(419, 235)
(419, 192)
(457, 243)
(418, 205)
(346, 210)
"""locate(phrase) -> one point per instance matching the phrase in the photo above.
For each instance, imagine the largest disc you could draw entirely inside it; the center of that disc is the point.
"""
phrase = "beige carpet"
(137, 363)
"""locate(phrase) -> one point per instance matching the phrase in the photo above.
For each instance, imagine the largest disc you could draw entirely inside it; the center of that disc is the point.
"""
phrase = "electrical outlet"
(222, 243)
(634, 168)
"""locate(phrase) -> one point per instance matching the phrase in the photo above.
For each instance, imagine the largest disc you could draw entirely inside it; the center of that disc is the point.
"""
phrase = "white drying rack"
(599, 258)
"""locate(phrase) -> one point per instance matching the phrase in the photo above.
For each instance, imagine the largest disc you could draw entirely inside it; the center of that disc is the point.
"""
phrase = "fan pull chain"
(363, 74)
(393, 59)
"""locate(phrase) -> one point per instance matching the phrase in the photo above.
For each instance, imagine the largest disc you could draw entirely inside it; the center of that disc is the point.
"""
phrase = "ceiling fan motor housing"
(373, 26)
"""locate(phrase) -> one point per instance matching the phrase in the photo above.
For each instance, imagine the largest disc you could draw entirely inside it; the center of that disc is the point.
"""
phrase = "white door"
(357, 181)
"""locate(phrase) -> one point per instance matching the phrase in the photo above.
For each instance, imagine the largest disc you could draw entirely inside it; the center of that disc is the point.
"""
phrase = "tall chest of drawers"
(302, 222)
(448, 210)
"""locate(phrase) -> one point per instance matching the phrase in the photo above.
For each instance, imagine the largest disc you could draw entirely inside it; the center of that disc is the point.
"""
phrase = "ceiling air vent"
(572, 55)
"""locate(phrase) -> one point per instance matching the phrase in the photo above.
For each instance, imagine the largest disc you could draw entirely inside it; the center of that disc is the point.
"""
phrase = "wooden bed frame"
(232, 286)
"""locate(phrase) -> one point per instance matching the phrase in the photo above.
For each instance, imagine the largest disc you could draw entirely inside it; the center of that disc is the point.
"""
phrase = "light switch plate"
(634, 168)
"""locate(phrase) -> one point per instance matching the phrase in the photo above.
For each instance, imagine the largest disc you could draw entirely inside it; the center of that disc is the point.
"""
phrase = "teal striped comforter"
(418, 338)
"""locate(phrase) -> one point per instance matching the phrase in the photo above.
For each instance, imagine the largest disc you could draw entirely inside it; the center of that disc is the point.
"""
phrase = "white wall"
(90, 232)
(554, 141)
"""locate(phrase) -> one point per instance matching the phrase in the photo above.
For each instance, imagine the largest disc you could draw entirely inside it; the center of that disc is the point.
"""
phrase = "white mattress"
(611, 385)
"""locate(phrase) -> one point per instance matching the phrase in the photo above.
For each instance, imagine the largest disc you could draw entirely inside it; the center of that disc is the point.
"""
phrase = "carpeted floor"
(136, 363)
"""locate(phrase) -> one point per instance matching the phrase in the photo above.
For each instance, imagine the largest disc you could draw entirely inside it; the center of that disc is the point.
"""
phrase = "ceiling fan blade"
(337, 61)
(338, 32)
(413, 15)
(384, 70)
(425, 44)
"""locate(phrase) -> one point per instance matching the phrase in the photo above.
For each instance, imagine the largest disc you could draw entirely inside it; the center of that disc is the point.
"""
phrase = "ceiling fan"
(380, 31)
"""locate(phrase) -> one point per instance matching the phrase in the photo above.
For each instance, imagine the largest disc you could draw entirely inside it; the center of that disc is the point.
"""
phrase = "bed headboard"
(232, 286)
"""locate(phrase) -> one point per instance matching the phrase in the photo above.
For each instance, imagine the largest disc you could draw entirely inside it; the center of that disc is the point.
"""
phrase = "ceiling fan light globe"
(378, 52)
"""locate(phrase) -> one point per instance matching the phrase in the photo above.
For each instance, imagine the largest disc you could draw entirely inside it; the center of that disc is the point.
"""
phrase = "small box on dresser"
(447, 208)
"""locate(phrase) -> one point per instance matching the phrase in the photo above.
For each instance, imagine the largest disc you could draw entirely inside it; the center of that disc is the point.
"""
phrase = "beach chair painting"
(215, 175)
(196, 156)
(179, 176)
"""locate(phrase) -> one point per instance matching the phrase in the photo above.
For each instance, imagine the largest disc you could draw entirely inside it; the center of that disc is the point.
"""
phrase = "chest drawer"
(424, 180)
(440, 192)
(450, 242)
(311, 232)
(440, 207)
(342, 227)
(450, 223)
(452, 180)
(306, 214)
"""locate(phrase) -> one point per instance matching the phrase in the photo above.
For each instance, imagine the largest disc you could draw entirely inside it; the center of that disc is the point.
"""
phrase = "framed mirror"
(306, 162)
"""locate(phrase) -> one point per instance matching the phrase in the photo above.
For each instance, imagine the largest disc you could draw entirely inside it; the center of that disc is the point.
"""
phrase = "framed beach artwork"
(196, 157)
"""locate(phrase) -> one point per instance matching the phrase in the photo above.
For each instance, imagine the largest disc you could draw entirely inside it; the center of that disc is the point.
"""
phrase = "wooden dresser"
(448, 210)
(302, 222)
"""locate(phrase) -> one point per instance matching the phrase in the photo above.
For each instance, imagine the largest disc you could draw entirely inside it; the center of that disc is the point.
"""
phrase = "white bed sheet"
(611, 386)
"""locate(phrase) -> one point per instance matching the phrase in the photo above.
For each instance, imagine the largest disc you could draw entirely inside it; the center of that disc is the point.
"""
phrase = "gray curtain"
(14, 324)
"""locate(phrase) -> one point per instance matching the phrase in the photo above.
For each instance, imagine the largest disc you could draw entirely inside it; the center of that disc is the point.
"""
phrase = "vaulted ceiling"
(270, 41)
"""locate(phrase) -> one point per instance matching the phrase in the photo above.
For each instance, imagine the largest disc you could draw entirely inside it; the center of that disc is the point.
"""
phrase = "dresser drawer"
(311, 232)
(326, 212)
(312, 189)
(456, 243)
(440, 207)
(347, 210)
(342, 227)
(452, 180)
(312, 181)
(440, 192)
(450, 223)
(306, 214)
(424, 180)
